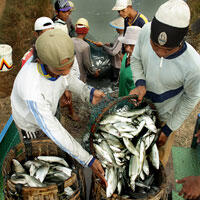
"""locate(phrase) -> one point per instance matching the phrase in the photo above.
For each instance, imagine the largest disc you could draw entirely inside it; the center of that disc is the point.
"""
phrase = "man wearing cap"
(131, 16)
(63, 11)
(126, 83)
(41, 25)
(115, 49)
(38, 88)
(166, 69)
(82, 50)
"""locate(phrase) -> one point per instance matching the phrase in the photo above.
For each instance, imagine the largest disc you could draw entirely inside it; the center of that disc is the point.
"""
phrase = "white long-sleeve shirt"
(172, 83)
(34, 101)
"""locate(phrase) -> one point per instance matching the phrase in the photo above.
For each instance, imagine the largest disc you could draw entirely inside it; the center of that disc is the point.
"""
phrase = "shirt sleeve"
(115, 49)
(57, 133)
(188, 101)
(87, 60)
(136, 63)
(78, 87)
(75, 69)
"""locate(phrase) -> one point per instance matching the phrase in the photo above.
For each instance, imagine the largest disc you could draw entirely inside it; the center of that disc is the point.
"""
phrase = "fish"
(130, 147)
(65, 170)
(17, 166)
(18, 179)
(145, 167)
(149, 123)
(53, 159)
(111, 119)
(112, 182)
(68, 191)
(124, 127)
(154, 156)
(103, 154)
(42, 172)
(32, 181)
(108, 128)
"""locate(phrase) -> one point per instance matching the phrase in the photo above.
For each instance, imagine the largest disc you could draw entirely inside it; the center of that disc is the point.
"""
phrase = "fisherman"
(114, 49)
(130, 15)
(63, 11)
(70, 25)
(82, 50)
(126, 83)
(166, 69)
(38, 88)
(41, 25)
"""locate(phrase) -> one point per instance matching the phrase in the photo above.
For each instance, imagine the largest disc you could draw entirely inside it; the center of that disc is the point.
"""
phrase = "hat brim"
(65, 9)
(127, 41)
(117, 27)
(118, 8)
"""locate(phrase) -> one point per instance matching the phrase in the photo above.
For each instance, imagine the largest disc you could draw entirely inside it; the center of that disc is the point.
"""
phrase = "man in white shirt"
(38, 88)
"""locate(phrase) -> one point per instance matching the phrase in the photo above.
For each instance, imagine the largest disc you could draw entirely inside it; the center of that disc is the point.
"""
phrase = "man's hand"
(140, 91)
(98, 95)
(99, 44)
(66, 98)
(198, 136)
(97, 73)
(162, 139)
(191, 187)
(98, 170)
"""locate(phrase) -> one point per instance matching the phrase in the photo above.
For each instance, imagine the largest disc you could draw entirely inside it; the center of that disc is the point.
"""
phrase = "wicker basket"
(46, 147)
(98, 191)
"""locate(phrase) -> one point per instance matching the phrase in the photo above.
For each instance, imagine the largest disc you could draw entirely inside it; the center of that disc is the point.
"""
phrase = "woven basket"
(23, 152)
(98, 191)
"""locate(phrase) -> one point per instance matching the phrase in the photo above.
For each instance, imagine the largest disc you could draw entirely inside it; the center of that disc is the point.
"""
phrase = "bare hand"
(66, 98)
(99, 44)
(98, 95)
(140, 91)
(162, 140)
(98, 170)
(198, 136)
(191, 187)
(97, 73)
(107, 44)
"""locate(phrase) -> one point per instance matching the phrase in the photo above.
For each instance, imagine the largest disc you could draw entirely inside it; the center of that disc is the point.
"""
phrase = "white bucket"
(6, 62)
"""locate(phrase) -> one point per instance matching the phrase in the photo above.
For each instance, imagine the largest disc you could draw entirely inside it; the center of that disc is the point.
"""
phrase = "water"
(99, 13)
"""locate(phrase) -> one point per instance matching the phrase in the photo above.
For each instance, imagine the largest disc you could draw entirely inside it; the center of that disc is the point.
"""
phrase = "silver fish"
(68, 191)
(124, 127)
(154, 156)
(18, 179)
(108, 128)
(32, 181)
(65, 170)
(145, 167)
(130, 147)
(112, 182)
(42, 172)
(149, 123)
(111, 119)
(18, 167)
(55, 159)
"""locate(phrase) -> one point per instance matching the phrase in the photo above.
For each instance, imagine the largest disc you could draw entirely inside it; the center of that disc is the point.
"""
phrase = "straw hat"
(118, 23)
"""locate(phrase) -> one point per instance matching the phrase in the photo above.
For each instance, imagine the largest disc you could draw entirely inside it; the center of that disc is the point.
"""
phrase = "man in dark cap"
(166, 69)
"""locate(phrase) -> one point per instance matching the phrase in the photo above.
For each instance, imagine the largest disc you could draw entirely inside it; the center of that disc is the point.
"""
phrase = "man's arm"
(115, 49)
(56, 132)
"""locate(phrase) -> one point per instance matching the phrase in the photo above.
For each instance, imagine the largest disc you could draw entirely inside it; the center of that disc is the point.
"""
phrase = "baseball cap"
(131, 35)
(118, 23)
(62, 5)
(170, 23)
(43, 23)
(53, 47)
(122, 4)
(71, 5)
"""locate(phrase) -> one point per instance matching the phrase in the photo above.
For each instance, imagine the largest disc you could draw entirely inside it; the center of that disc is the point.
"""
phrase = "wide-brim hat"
(117, 23)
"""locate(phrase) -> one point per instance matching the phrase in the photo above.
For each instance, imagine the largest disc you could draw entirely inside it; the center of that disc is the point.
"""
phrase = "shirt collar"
(43, 72)
(179, 52)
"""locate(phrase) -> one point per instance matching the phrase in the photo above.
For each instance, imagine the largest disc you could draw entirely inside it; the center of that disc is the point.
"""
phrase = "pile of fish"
(42, 172)
(125, 145)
